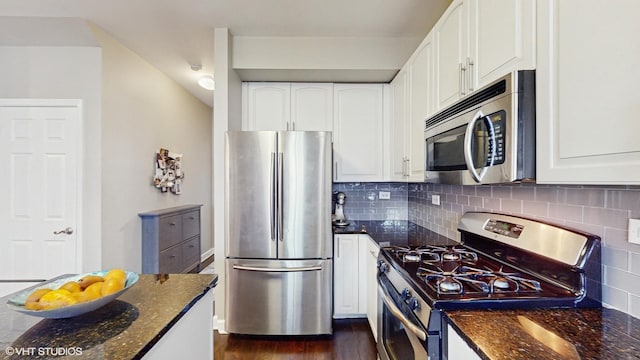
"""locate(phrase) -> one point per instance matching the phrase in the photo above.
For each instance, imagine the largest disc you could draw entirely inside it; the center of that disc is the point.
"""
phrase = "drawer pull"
(172, 257)
(192, 246)
(191, 218)
(172, 224)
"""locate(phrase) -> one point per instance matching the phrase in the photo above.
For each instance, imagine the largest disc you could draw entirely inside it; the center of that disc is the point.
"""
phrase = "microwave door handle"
(468, 159)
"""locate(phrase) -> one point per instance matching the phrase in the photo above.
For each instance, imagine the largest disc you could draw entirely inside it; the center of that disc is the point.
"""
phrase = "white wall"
(263, 58)
(228, 116)
(143, 110)
(33, 65)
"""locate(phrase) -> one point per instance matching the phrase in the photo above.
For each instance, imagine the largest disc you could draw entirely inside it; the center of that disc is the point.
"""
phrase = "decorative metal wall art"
(169, 175)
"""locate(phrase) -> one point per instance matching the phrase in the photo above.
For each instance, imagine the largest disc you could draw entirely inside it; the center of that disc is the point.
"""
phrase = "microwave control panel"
(499, 131)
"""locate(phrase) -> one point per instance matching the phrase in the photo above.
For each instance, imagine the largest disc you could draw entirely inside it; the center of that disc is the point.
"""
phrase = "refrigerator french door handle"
(266, 269)
(280, 187)
(272, 196)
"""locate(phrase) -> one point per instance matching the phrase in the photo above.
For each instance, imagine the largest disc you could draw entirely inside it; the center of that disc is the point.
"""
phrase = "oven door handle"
(468, 155)
(397, 313)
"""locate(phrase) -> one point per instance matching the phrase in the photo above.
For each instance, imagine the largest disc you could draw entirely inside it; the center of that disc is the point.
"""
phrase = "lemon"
(116, 274)
(56, 299)
(111, 286)
(72, 286)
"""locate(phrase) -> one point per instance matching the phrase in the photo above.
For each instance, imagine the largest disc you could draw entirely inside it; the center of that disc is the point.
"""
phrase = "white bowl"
(17, 302)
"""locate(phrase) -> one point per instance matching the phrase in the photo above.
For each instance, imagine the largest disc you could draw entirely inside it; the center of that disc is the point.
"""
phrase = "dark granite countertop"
(126, 328)
(599, 333)
(395, 233)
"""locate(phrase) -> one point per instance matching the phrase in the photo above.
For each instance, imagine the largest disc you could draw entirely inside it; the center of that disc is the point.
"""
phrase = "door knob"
(67, 231)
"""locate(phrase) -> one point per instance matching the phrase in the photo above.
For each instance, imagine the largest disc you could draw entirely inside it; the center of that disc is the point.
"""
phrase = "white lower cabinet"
(372, 249)
(354, 278)
(346, 277)
(457, 348)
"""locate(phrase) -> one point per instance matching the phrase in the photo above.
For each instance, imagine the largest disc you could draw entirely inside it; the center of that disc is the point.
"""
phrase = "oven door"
(400, 334)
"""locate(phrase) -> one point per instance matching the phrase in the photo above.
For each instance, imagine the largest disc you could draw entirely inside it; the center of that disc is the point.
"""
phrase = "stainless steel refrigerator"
(279, 244)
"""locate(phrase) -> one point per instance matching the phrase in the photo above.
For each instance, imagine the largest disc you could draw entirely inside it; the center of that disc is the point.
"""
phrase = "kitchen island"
(160, 317)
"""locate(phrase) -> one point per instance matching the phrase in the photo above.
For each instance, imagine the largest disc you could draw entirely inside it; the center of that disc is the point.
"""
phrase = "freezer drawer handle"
(398, 313)
(263, 269)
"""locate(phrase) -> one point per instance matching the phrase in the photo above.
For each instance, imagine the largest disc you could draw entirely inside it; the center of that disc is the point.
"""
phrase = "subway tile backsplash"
(363, 202)
(601, 210)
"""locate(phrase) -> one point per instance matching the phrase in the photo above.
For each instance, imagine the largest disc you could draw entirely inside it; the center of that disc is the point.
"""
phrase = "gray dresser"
(171, 240)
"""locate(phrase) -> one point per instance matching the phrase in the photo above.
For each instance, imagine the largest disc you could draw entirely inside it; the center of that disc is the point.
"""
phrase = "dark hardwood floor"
(351, 340)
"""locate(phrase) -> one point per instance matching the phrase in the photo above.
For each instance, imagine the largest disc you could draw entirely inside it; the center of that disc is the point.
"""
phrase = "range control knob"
(414, 304)
(406, 294)
(382, 267)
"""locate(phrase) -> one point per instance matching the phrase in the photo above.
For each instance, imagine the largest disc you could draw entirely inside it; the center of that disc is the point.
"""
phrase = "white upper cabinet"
(421, 85)
(587, 93)
(288, 106)
(358, 136)
(412, 102)
(451, 42)
(267, 106)
(399, 127)
(478, 41)
(311, 106)
(502, 39)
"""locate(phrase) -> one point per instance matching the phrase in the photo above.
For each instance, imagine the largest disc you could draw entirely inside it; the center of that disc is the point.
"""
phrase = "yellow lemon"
(72, 286)
(116, 274)
(36, 295)
(111, 286)
(88, 280)
(56, 299)
(95, 287)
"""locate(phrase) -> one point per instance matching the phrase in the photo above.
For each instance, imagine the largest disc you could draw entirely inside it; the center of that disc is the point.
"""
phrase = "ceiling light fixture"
(206, 82)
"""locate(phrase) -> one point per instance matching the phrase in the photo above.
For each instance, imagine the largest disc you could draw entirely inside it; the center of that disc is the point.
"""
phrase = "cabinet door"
(502, 39)
(312, 106)
(399, 127)
(358, 132)
(457, 348)
(451, 34)
(268, 106)
(587, 95)
(372, 249)
(345, 276)
(421, 90)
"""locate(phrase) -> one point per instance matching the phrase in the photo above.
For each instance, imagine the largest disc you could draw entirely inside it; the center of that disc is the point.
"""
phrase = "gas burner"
(452, 282)
(416, 255)
(501, 281)
(449, 284)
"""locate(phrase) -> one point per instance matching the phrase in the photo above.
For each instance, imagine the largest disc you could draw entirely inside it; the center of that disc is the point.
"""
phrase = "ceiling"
(172, 34)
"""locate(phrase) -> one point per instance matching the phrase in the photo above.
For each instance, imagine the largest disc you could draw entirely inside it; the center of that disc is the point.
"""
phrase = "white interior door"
(40, 189)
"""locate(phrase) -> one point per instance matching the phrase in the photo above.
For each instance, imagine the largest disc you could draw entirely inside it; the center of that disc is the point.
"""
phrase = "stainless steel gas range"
(502, 262)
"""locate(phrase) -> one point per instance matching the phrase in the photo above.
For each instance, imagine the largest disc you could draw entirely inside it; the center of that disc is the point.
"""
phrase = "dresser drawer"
(191, 253)
(170, 261)
(191, 224)
(170, 231)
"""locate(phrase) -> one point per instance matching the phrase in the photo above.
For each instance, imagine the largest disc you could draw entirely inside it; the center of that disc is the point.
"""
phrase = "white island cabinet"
(588, 98)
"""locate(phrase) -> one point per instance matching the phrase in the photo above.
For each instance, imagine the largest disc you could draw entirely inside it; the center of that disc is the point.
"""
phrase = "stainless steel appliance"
(503, 262)
(486, 138)
(278, 233)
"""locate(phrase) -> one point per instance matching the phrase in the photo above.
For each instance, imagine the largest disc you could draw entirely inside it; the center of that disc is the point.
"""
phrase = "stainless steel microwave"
(487, 137)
